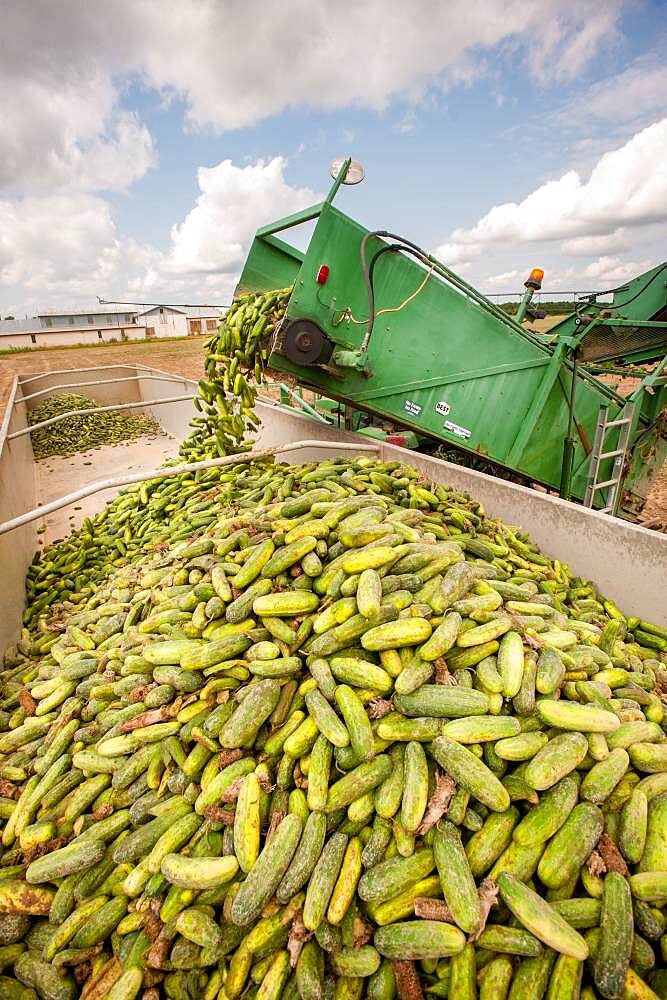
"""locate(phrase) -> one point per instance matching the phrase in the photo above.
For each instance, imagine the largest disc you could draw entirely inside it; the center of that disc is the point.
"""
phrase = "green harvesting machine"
(384, 328)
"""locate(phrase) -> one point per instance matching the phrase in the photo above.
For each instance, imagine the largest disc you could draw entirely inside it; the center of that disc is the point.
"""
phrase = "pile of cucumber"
(238, 352)
(328, 731)
(80, 433)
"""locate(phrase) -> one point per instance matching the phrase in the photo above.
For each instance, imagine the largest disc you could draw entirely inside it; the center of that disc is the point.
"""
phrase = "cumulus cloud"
(608, 270)
(67, 135)
(455, 254)
(627, 187)
(61, 119)
(233, 65)
(63, 245)
(587, 246)
(67, 244)
(234, 202)
(506, 280)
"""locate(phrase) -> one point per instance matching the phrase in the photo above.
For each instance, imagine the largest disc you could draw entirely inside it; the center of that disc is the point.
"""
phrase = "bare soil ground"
(186, 357)
(181, 357)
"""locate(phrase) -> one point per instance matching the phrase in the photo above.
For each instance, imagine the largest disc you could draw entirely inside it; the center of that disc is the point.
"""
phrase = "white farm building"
(108, 323)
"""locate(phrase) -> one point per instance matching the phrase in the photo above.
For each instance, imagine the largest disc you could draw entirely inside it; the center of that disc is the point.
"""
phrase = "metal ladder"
(598, 455)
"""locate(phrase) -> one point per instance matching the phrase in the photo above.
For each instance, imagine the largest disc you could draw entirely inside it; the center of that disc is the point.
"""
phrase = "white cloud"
(570, 37)
(587, 246)
(234, 202)
(627, 187)
(62, 126)
(368, 53)
(455, 254)
(66, 246)
(612, 269)
(506, 280)
(234, 64)
(408, 122)
(639, 91)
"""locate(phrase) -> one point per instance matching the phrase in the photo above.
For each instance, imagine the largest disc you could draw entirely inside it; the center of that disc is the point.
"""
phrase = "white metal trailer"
(627, 562)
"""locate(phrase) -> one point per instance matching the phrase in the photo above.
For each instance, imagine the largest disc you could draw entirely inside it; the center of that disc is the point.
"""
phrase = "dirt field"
(186, 357)
(182, 357)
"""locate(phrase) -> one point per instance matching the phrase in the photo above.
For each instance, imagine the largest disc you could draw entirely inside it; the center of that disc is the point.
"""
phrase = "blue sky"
(146, 141)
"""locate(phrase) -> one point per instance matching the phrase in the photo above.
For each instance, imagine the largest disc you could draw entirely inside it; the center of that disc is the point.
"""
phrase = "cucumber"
(251, 714)
(569, 849)
(101, 923)
(391, 877)
(403, 904)
(456, 878)
(360, 673)
(548, 816)
(482, 728)
(650, 757)
(468, 771)
(44, 978)
(214, 652)
(442, 702)
(565, 981)
(393, 635)
(509, 941)
(487, 844)
(266, 874)
(416, 940)
(61, 863)
(550, 671)
(511, 663)
(612, 957)
(355, 964)
(654, 853)
(535, 914)
(198, 872)
(363, 778)
(559, 757)
(649, 887)
(310, 972)
(346, 884)
(443, 638)
(369, 592)
(286, 604)
(357, 724)
(318, 774)
(496, 979)
(603, 777)
(322, 881)
(521, 747)
(573, 716)
(581, 913)
(389, 794)
(415, 787)
(247, 822)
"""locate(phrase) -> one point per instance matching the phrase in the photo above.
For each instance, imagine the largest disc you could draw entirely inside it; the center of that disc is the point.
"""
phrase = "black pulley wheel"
(305, 344)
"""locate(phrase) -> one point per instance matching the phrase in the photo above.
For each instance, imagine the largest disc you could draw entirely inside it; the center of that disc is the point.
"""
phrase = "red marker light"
(322, 274)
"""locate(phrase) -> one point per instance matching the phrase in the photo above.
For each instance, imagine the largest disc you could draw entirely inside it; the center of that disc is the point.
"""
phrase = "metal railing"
(175, 470)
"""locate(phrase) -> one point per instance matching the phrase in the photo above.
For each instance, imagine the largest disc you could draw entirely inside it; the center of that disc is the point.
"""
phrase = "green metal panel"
(270, 264)
(444, 362)
(443, 365)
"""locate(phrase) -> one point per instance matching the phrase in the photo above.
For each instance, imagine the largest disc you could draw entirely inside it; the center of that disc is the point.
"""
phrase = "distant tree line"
(550, 308)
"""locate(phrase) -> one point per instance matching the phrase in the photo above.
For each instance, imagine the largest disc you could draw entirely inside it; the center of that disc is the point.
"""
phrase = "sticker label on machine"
(461, 432)
(442, 407)
(414, 409)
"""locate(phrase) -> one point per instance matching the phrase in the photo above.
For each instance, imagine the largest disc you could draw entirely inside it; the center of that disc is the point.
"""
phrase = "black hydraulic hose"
(621, 305)
(403, 245)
